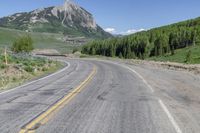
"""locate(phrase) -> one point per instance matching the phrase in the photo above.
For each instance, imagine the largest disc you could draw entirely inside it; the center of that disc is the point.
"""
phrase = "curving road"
(91, 96)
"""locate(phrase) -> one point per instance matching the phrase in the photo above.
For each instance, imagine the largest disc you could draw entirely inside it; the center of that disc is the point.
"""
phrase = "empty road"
(89, 96)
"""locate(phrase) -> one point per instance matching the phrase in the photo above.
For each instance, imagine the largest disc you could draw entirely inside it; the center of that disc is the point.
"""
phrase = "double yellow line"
(45, 117)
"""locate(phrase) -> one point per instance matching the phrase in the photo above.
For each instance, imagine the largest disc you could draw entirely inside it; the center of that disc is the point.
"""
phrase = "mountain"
(69, 19)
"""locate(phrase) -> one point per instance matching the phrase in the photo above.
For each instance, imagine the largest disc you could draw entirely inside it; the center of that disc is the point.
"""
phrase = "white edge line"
(178, 130)
(140, 76)
(163, 106)
(147, 84)
(68, 65)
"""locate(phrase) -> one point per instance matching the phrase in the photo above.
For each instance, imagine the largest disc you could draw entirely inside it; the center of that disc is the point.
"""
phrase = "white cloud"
(128, 32)
(110, 30)
(132, 31)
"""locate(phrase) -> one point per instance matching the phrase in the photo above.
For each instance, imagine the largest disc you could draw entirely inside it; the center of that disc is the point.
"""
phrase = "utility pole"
(5, 54)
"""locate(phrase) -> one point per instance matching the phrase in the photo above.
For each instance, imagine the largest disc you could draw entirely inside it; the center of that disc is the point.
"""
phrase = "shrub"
(3, 66)
(25, 63)
(75, 50)
(14, 79)
(120, 55)
(23, 44)
(33, 63)
(29, 69)
(44, 69)
(188, 56)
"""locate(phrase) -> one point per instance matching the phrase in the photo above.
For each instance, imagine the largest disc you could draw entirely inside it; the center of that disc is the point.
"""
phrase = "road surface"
(104, 97)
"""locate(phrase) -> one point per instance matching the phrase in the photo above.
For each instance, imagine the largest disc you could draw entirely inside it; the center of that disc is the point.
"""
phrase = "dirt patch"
(45, 51)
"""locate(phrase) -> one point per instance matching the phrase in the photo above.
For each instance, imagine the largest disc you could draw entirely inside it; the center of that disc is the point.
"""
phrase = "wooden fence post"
(5, 54)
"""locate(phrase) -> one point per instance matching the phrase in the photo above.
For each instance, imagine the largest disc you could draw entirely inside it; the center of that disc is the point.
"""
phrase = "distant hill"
(40, 40)
(69, 19)
(161, 41)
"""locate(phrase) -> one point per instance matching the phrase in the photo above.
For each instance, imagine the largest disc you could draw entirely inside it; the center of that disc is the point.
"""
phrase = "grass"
(180, 56)
(24, 68)
(41, 40)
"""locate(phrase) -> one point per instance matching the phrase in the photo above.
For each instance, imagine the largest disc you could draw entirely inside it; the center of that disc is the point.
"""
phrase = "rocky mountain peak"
(68, 18)
(71, 11)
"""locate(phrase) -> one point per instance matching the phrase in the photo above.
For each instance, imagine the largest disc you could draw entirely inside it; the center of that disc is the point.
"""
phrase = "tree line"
(155, 42)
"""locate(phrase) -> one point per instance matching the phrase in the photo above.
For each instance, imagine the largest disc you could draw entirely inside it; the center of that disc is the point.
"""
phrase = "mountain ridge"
(69, 19)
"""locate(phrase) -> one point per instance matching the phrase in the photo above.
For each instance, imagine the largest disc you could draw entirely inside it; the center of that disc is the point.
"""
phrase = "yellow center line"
(47, 115)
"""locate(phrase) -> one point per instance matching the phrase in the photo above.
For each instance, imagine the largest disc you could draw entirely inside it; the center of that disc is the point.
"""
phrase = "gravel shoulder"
(192, 68)
(178, 85)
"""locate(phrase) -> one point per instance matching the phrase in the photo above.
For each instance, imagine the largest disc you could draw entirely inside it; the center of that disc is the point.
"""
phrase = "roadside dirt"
(45, 51)
(171, 65)
(166, 65)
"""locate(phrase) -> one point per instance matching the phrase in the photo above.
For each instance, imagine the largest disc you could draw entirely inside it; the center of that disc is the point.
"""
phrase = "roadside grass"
(21, 69)
(41, 40)
(180, 56)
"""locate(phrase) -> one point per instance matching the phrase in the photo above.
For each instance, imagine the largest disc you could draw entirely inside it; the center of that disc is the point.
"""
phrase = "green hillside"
(41, 40)
(156, 43)
(180, 56)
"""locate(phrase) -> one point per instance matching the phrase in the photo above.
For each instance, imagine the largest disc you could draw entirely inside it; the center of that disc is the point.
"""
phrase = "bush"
(3, 66)
(75, 50)
(29, 69)
(26, 63)
(23, 44)
(14, 79)
(188, 56)
(120, 56)
(44, 69)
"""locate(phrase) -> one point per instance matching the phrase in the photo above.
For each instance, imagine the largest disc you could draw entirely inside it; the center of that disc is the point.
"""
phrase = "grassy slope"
(180, 55)
(20, 70)
(41, 40)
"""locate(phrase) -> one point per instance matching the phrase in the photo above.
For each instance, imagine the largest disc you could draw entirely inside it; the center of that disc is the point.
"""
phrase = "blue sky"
(119, 16)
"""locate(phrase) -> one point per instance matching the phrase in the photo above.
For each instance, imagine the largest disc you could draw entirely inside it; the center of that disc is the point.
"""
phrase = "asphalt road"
(104, 97)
